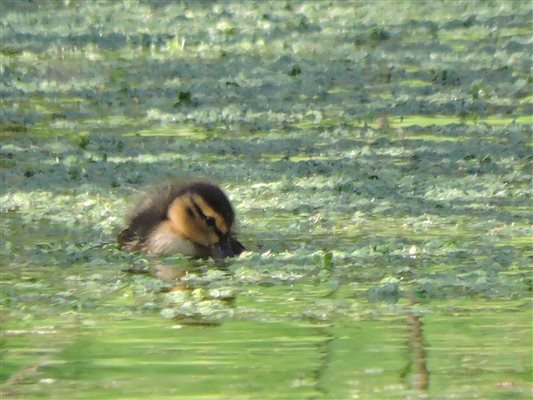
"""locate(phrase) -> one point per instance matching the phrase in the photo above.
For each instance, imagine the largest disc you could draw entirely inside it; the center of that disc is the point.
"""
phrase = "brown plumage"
(194, 218)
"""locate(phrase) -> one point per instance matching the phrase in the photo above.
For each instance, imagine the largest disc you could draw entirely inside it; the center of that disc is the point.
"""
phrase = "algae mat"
(378, 155)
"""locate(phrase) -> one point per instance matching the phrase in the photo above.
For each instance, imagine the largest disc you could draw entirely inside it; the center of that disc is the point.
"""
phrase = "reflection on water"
(169, 272)
(419, 378)
(274, 355)
(417, 352)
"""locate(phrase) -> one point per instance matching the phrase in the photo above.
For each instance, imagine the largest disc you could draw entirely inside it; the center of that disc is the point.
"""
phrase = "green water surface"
(377, 154)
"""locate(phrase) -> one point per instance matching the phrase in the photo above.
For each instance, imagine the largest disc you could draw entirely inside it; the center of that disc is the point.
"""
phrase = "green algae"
(380, 173)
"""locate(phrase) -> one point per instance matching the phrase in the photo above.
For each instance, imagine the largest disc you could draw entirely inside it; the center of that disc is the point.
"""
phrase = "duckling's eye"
(210, 221)
(189, 212)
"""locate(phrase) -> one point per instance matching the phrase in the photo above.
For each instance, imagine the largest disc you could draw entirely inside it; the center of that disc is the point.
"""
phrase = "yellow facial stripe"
(180, 221)
(208, 211)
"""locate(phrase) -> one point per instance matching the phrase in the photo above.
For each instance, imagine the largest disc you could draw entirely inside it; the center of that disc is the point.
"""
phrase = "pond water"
(379, 161)
(89, 331)
(484, 352)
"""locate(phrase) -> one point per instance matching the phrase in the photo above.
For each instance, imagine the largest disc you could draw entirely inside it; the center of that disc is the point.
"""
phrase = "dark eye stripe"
(198, 209)
(208, 220)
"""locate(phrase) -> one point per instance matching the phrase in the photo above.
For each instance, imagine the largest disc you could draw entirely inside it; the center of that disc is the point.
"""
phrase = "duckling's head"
(202, 214)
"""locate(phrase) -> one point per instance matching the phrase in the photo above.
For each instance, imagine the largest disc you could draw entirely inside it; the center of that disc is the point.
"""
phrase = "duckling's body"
(194, 218)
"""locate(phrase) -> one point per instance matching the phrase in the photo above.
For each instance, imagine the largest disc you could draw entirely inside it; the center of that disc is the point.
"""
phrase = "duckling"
(194, 218)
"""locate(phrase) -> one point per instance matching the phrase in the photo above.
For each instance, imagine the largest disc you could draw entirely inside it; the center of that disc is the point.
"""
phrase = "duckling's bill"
(223, 248)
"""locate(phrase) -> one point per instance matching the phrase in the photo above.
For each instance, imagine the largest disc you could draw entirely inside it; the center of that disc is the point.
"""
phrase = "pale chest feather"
(164, 240)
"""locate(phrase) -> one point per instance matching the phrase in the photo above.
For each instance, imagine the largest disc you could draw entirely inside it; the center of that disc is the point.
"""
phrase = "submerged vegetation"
(378, 155)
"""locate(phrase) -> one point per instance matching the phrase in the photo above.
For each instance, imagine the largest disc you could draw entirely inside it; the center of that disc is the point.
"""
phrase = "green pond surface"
(450, 354)
(377, 154)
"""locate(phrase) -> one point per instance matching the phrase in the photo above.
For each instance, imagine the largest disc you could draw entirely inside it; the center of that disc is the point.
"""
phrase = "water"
(459, 354)
(379, 162)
